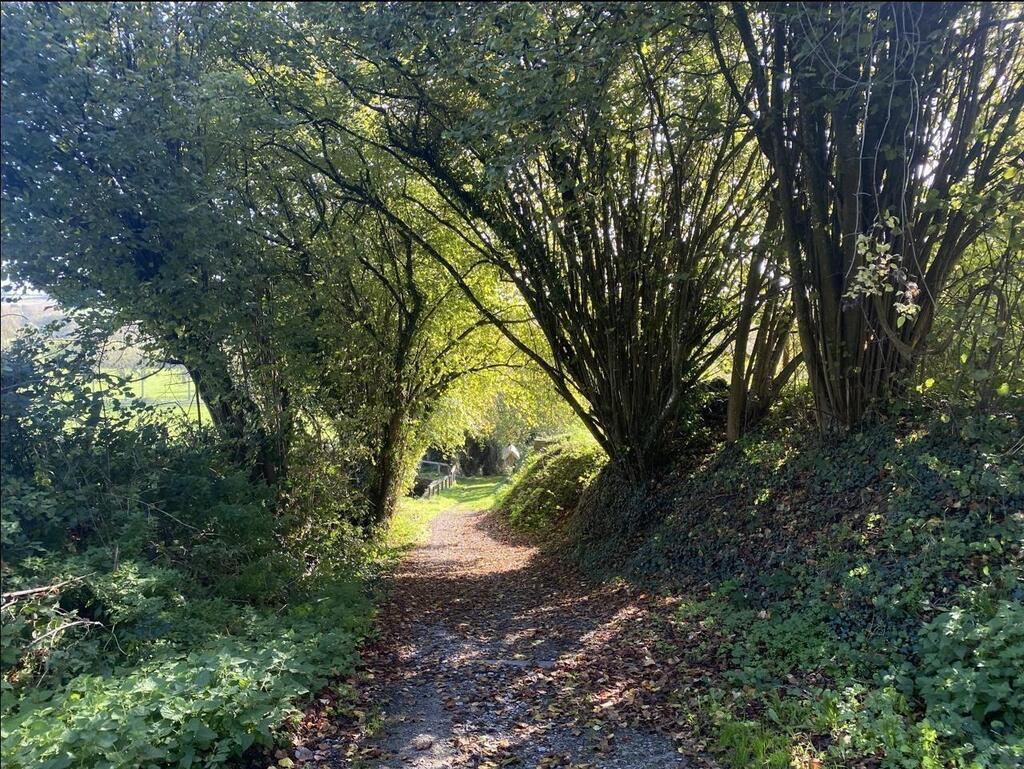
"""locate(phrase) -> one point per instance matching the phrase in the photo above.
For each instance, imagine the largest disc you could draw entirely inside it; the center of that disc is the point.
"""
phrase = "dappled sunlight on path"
(481, 639)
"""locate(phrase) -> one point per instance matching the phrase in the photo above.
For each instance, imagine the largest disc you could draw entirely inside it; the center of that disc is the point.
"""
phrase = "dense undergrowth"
(853, 601)
(160, 608)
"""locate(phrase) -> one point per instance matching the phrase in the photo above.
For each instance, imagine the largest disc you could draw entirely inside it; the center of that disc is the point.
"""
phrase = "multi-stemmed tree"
(894, 131)
(582, 150)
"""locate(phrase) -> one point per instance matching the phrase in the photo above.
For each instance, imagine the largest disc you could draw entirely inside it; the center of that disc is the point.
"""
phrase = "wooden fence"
(445, 479)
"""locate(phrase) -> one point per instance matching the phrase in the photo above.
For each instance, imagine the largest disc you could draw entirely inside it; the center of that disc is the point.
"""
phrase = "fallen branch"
(44, 636)
(16, 594)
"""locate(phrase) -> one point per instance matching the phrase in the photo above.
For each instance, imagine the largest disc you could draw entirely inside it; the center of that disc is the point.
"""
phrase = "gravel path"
(481, 640)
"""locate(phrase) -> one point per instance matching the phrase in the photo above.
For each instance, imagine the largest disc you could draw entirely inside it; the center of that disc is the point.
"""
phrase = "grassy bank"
(547, 487)
(408, 527)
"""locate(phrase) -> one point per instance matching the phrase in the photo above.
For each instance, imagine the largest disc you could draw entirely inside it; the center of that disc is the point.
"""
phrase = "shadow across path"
(475, 628)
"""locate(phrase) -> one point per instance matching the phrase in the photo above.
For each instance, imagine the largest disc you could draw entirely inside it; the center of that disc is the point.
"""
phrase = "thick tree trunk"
(251, 446)
(387, 467)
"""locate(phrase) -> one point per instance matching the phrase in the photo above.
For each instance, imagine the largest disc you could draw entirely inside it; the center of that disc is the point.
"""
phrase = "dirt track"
(482, 638)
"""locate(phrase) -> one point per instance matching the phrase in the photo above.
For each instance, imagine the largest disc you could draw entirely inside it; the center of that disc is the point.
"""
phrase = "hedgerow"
(160, 608)
(187, 701)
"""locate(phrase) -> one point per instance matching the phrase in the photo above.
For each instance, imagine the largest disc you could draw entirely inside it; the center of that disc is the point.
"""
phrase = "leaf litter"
(489, 653)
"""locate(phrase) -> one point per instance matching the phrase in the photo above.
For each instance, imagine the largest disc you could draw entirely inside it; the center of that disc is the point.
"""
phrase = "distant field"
(169, 387)
(18, 313)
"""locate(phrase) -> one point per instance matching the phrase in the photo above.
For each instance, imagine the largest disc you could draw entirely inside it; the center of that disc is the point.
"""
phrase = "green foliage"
(88, 466)
(748, 743)
(508, 406)
(300, 316)
(986, 294)
(639, 183)
(176, 617)
(548, 485)
(872, 582)
(325, 221)
(198, 700)
(971, 676)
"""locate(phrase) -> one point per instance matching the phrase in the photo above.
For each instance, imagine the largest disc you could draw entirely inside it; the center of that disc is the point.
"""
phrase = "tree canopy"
(331, 215)
(740, 283)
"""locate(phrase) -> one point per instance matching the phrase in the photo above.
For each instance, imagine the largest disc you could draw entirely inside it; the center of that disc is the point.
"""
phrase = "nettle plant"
(883, 272)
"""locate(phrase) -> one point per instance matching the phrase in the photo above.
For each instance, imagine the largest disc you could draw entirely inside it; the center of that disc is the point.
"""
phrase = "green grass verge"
(466, 494)
(408, 526)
